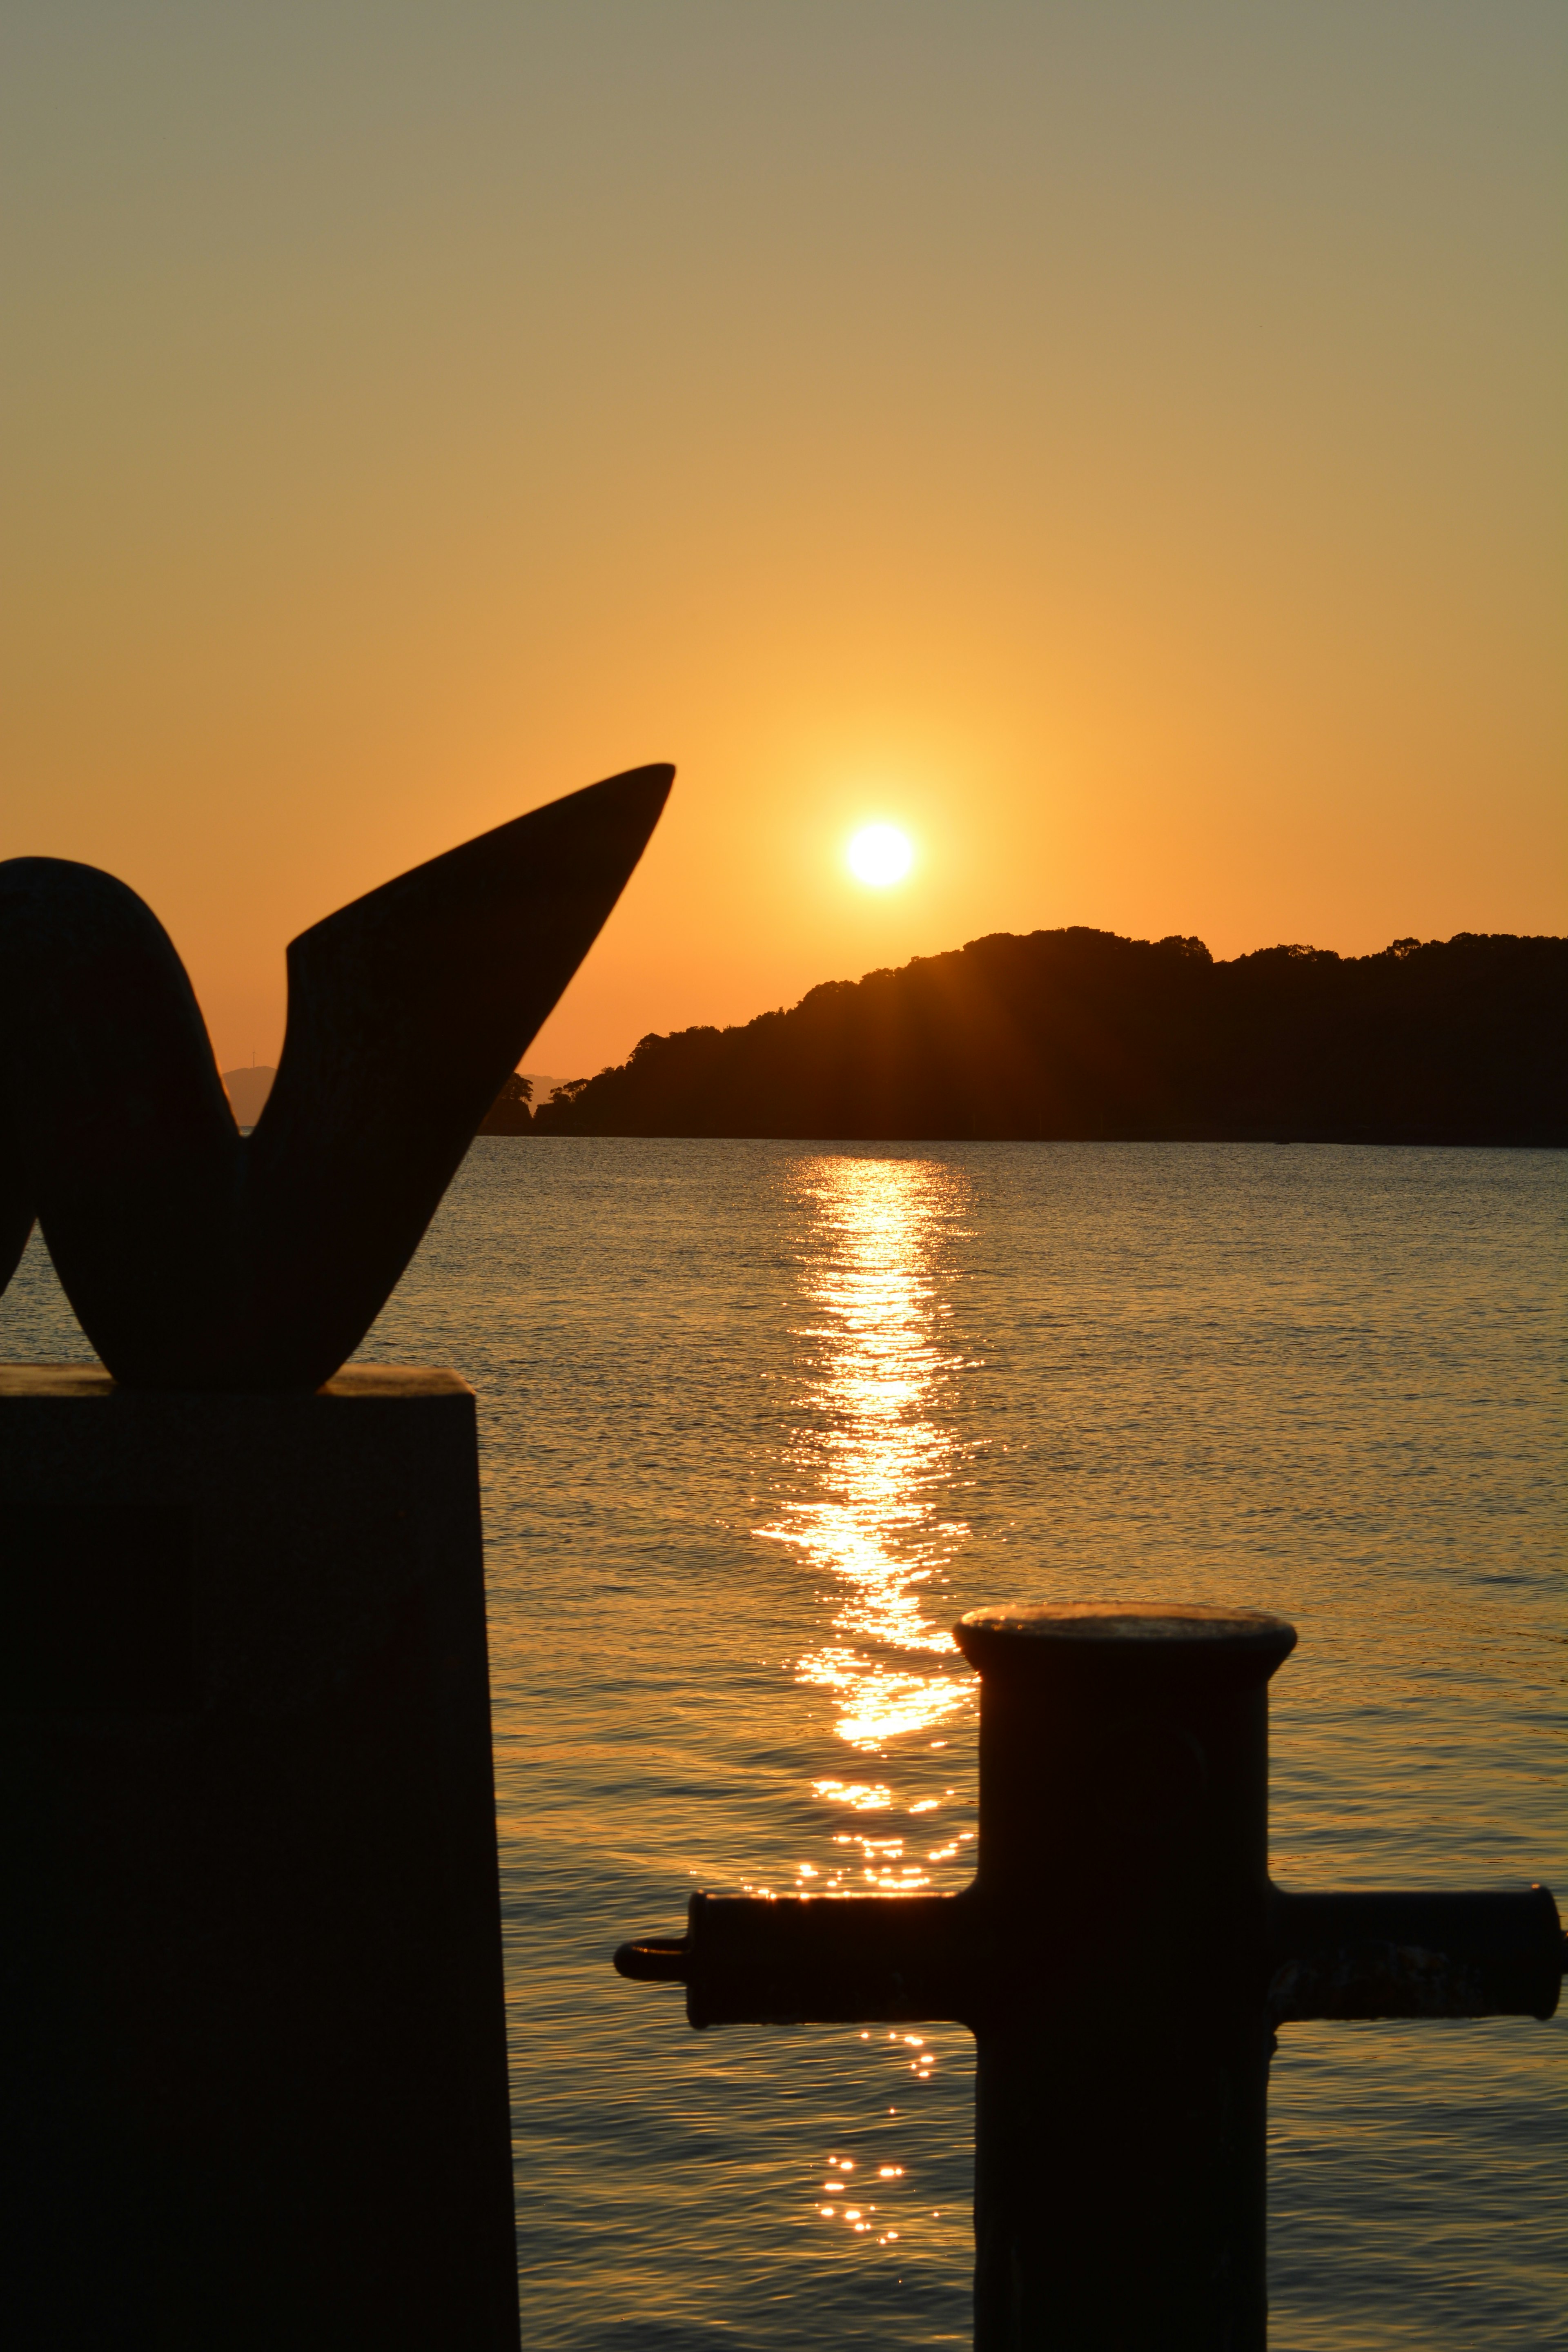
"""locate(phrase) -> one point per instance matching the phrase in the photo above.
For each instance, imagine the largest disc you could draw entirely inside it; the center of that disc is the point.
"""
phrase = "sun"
(880, 855)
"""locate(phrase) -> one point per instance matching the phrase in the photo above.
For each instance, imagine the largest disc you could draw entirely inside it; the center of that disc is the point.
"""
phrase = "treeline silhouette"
(1081, 1035)
(510, 1114)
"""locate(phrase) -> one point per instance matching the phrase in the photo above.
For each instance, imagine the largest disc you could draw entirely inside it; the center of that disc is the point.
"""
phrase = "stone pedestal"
(252, 2031)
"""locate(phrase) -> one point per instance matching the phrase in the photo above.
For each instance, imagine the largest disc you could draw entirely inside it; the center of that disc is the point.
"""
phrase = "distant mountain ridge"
(1081, 1035)
(247, 1091)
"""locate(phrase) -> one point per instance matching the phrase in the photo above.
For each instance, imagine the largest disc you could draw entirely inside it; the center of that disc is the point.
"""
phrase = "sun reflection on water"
(872, 1460)
(873, 1456)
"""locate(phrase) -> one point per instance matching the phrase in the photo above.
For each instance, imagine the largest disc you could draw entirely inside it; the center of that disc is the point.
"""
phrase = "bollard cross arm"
(1414, 1954)
(821, 1959)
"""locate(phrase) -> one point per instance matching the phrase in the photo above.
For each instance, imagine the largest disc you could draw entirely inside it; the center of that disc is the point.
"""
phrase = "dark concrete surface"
(254, 2054)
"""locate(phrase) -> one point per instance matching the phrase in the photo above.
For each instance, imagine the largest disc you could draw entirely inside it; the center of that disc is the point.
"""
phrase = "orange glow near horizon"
(1124, 455)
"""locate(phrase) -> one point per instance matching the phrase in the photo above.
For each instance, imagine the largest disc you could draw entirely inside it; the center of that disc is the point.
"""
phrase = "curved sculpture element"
(198, 1258)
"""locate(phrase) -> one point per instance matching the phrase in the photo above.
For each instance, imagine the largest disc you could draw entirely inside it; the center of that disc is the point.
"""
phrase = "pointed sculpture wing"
(196, 1259)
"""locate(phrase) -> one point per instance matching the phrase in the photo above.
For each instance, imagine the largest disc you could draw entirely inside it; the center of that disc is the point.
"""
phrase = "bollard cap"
(1011, 1632)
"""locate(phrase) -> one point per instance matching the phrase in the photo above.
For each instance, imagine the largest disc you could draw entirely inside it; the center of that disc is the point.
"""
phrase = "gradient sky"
(1119, 443)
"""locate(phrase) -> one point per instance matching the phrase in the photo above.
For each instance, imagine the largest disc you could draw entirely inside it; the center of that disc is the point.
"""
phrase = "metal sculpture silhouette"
(198, 1258)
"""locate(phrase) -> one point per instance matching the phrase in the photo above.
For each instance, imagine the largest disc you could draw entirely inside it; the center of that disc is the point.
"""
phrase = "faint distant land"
(247, 1090)
(1082, 1036)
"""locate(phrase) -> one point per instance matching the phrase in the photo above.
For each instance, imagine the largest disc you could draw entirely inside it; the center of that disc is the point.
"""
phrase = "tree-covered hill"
(1082, 1035)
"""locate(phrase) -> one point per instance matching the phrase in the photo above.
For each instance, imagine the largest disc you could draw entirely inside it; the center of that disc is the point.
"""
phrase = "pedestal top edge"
(1130, 1622)
(387, 1383)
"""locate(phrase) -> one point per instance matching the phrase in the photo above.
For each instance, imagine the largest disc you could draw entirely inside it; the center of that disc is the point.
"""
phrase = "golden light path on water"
(874, 1458)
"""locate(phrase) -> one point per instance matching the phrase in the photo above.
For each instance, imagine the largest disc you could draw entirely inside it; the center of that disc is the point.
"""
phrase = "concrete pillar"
(252, 2034)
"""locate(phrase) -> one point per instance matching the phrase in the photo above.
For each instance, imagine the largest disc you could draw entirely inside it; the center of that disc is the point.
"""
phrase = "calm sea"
(760, 1420)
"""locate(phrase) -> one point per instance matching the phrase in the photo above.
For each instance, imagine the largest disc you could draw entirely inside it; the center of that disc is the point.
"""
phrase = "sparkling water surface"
(759, 1421)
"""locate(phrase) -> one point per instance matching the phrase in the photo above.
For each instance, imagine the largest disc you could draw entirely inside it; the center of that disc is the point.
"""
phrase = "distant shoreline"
(541, 1134)
(1080, 1036)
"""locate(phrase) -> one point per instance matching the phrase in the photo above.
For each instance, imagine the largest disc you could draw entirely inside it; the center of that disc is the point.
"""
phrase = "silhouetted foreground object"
(196, 1259)
(253, 2066)
(253, 2061)
(1080, 1036)
(1122, 1960)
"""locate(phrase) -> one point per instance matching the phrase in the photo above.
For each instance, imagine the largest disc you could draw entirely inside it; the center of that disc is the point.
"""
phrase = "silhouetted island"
(1081, 1036)
(510, 1114)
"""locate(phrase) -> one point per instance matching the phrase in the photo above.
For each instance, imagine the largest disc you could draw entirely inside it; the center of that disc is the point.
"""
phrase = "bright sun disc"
(880, 853)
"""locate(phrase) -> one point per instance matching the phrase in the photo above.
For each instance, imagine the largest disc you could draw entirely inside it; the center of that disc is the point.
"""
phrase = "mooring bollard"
(1122, 1960)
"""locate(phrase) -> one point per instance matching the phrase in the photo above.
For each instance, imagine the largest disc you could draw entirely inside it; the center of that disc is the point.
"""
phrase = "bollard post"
(1123, 1854)
(1122, 1960)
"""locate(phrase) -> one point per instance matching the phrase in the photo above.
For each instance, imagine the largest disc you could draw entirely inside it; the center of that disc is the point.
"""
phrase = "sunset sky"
(1118, 445)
